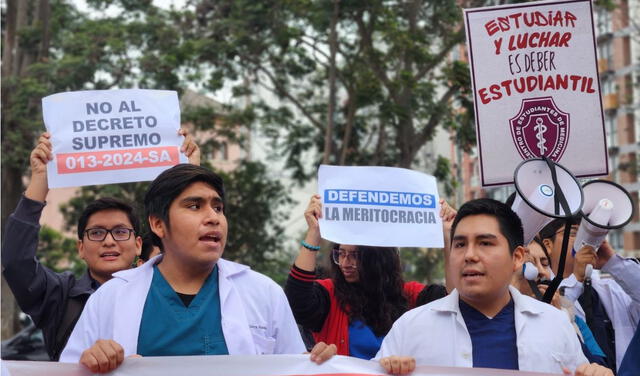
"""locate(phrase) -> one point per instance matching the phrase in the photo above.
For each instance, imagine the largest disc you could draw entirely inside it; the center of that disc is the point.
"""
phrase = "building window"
(221, 153)
(616, 239)
(604, 52)
(608, 86)
(603, 21)
(612, 130)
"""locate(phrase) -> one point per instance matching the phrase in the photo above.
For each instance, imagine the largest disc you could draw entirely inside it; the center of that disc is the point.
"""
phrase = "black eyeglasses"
(340, 255)
(98, 234)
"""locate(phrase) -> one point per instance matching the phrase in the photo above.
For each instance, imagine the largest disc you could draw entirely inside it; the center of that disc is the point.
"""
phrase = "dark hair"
(170, 184)
(378, 297)
(147, 246)
(549, 231)
(107, 203)
(509, 222)
(544, 249)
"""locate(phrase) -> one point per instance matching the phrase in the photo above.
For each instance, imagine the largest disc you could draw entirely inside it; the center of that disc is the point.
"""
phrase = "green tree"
(390, 67)
(59, 253)
(48, 47)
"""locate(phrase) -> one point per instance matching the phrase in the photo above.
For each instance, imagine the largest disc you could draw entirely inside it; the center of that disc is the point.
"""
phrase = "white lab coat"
(436, 335)
(620, 297)
(256, 317)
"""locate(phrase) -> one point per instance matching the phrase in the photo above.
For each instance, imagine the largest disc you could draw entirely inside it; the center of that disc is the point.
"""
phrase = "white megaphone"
(609, 206)
(529, 271)
(535, 202)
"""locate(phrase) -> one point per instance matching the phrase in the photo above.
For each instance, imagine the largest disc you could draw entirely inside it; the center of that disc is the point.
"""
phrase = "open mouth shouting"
(211, 238)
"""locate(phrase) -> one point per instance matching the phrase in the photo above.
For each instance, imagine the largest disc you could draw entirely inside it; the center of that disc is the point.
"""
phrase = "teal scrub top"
(169, 328)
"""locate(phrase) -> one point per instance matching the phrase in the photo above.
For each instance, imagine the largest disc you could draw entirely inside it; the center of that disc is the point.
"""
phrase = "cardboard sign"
(379, 206)
(536, 88)
(111, 136)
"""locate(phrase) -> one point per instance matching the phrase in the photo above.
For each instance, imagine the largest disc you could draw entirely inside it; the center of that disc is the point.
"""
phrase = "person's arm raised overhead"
(309, 301)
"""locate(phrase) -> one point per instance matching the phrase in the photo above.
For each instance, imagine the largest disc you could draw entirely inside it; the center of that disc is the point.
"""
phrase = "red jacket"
(336, 327)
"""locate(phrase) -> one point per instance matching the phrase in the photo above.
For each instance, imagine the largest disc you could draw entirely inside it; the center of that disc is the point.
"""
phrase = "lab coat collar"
(450, 303)
(226, 269)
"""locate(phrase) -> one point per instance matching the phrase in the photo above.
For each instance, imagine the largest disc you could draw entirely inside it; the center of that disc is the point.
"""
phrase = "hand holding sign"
(189, 147)
(40, 156)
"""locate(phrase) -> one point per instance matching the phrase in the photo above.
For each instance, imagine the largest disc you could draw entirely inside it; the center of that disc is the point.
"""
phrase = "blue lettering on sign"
(386, 198)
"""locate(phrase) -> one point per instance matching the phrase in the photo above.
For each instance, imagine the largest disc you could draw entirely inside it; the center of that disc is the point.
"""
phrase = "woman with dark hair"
(357, 306)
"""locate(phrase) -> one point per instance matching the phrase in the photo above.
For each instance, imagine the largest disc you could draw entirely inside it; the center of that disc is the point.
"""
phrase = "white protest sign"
(243, 365)
(111, 136)
(379, 206)
(536, 88)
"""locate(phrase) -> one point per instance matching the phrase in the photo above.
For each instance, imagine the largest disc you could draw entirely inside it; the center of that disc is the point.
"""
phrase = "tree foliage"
(59, 253)
(391, 70)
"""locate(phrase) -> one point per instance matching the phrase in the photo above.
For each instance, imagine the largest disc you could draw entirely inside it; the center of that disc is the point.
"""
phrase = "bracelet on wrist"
(310, 247)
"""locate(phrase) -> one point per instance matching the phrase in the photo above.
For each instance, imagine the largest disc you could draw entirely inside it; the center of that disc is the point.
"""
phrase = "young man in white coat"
(187, 301)
(484, 322)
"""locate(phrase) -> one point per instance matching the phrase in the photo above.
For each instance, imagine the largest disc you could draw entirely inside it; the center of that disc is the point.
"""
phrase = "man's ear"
(80, 247)
(518, 257)
(158, 226)
(548, 244)
(138, 245)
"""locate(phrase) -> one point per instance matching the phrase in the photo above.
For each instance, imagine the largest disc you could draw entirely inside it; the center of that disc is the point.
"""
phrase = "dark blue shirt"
(363, 343)
(169, 327)
(493, 340)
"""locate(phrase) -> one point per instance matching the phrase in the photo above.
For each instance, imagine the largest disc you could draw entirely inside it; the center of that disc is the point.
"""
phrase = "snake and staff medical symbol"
(540, 129)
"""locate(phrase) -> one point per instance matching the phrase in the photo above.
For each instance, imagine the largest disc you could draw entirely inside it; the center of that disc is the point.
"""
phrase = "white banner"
(250, 365)
(111, 136)
(379, 206)
(536, 88)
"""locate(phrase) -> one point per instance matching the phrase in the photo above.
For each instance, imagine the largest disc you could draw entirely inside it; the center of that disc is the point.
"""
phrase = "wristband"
(310, 247)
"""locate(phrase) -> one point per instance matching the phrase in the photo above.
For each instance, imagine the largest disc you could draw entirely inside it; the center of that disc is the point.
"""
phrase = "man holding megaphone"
(612, 305)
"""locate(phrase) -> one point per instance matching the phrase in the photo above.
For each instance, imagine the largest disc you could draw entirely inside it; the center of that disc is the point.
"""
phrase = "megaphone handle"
(551, 290)
(558, 197)
(535, 289)
(587, 304)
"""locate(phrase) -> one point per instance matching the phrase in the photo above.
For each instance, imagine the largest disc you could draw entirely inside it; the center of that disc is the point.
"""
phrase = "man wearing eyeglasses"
(108, 242)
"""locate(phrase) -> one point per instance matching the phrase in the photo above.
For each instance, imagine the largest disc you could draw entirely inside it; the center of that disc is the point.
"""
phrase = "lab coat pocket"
(264, 345)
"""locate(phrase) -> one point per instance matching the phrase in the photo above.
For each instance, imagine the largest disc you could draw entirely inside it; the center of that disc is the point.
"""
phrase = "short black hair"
(549, 231)
(171, 183)
(509, 222)
(107, 203)
(147, 246)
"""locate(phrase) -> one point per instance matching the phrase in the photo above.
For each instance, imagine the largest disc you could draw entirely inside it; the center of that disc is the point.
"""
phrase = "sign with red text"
(111, 136)
(536, 88)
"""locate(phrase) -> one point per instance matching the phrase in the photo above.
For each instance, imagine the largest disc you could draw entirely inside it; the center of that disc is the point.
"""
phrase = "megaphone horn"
(607, 206)
(537, 200)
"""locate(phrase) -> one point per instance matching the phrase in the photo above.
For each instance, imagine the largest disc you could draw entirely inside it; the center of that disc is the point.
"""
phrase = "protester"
(149, 250)
(356, 307)
(107, 242)
(615, 302)
(537, 254)
(484, 322)
(188, 301)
